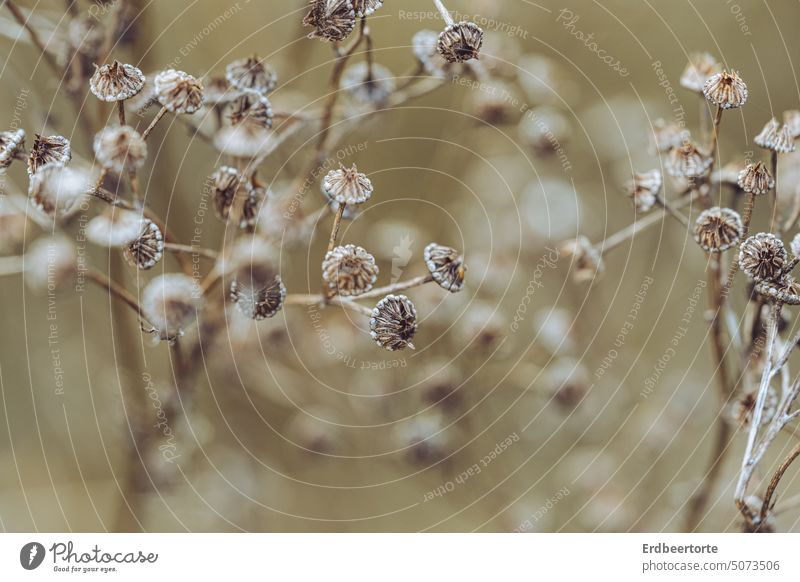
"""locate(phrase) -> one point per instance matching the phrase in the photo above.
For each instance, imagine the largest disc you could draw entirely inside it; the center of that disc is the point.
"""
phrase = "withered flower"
(687, 161)
(226, 183)
(120, 148)
(460, 42)
(178, 92)
(762, 257)
(784, 141)
(170, 303)
(726, 90)
(756, 179)
(114, 228)
(667, 136)
(257, 290)
(718, 229)
(643, 189)
(349, 271)
(347, 186)
(394, 323)
(587, 261)
(58, 191)
(116, 82)
(12, 145)
(147, 249)
(253, 110)
(251, 74)
(701, 66)
(52, 150)
(332, 20)
(446, 266)
(785, 290)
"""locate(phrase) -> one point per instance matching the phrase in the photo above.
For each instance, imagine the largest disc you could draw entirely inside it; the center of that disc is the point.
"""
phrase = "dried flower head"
(333, 20)
(253, 110)
(718, 229)
(701, 66)
(762, 257)
(460, 42)
(667, 136)
(791, 119)
(784, 141)
(587, 261)
(114, 228)
(366, 7)
(170, 303)
(147, 249)
(12, 145)
(226, 182)
(644, 188)
(786, 290)
(50, 263)
(425, 47)
(368, 86)
(446, 266)
(251, 74)
(775, 137)
(687, 161)
(52, 150)
(245, 140)
(178, 92)
(756, 179)
(116, 82)
(726, 90)
(257, 288)
(347, 186)
(349, 271)
(120, 148)
(394, 323)
(58, 191)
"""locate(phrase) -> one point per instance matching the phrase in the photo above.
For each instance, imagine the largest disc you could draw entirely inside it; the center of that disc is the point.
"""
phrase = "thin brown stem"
(121, 112)
(191, 250)
(397, 287)
(337, 222)
(161, 113)
(776, 479)
(114, 289)
(35, 38)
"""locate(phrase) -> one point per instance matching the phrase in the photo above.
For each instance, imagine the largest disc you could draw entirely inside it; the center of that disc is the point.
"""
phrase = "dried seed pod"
(257, 290)
(394, 323)
(768, 135)
(170, 303)
(252, 207)
(791, 119)
(368, 86)
(12, 145)
(784, 141)
(253, 110)
(718, 229)
(349, 271)
(226, 183)
(446, 266)
(366, 7)
(687, 161)
(762, 257)
(347, 186)
(332, 20)
(701, 66)
(120, 148)
(643, 189)
(178, 92)
(460, 42)
(57, 191)
(114, 228)
(51, 263)
(667, 136)
(147, 249)
(116, 82)
(53, 150)
(756, 179)
(787, 290)
(726, 90)
(251, 74)
(587, 261)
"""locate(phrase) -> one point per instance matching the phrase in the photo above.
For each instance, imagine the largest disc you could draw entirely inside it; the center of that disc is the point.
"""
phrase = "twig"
(37, 41)
(115, 289)
(191, 250)
(776, 478)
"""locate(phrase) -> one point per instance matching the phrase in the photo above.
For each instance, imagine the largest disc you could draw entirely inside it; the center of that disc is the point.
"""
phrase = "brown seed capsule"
(787, 290)
(253, 110)
(146, 250)
(170, 303)
(718, 229)
(667, 136)
(58, 191)
(53, 150)
(120, 148)
(756, 179)
(252, 74)
(687, 161)
(784, 141)
(726, 90)
(12, 145)
(347, 186)
(333, 20)
(258, 290)
(701, 66)
(762, 257)
(394, 323)
(460, 42)
(643, 189)
(587, 261)
(366, 7)
(368, 86)
(178, 92)
(446, 266)
(116, 82)
(226, 182)
(349, 271)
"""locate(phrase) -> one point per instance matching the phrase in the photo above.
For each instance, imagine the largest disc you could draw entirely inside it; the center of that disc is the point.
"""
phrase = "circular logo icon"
(31, 555)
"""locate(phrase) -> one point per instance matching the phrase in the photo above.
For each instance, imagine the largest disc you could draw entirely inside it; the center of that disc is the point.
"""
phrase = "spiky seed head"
(667, 136)
(394, 323)
(726, 89)
(226, 181)
(120, 148)
(786, 290)
(178, 92)
(756, 179)
(446, 266)
(349, 271)
(252, 110)
(718, 229)
(762, 257)
(116, 82)
(460, 42)
(768, 135)
(332, 20)
(251, 74)
(53, 150)
(366, 7)
(147, 249)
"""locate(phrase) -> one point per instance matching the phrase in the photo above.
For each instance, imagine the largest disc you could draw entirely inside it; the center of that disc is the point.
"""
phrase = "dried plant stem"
(673, 211)
(795, 215)
(161, 113)
(715, 137)
(774, 222)
(444, 12)
(11, 265)
(397, 287)
(121, 112)
(747, 214)
(114, 289)
(337, 222)
(297, 299)
(35, 38)
(776, 478)
(191, 250)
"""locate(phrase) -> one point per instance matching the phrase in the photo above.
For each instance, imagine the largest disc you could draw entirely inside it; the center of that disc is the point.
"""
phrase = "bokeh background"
(300, 423)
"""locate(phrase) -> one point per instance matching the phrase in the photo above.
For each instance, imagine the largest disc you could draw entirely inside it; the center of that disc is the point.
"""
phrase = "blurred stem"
(121, 112)
(37, 41)
(115, 289)
(776, 478)
(11, 265)
(397, 287)
(747, 215)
